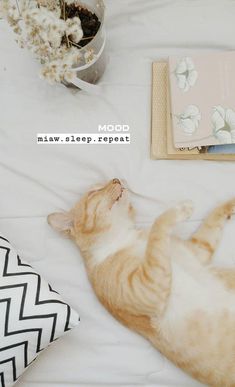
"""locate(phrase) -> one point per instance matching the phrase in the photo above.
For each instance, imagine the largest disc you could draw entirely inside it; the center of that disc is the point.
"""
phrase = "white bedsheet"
(37, 180)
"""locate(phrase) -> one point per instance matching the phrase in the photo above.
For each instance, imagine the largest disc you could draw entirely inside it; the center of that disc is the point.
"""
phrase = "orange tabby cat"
(161, 286)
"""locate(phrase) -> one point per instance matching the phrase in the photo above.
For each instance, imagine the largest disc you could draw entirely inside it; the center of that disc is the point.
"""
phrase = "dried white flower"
(52, 5)
(4, 7)
(52, 40)
(74, 30)
(42, 25)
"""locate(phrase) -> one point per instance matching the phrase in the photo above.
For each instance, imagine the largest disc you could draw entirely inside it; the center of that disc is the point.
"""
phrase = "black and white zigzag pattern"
(32, 315)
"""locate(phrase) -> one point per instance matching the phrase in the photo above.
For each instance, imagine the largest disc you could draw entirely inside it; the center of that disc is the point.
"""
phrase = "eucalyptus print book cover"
(202, 91)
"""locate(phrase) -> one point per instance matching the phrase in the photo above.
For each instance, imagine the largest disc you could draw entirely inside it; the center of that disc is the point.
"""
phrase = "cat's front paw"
(184, 210)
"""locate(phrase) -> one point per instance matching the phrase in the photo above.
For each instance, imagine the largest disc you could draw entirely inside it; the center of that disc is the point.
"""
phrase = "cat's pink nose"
(116, 181)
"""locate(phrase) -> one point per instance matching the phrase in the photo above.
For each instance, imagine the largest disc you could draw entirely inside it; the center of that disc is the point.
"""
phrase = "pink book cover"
(202, 89)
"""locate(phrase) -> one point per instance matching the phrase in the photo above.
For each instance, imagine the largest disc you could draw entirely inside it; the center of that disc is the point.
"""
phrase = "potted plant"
(67, 37)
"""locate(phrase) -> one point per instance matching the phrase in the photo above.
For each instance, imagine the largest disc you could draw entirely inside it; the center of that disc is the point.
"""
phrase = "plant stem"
(18, 7)
(74, 44)
(68, 41)
(63, 15)
(64, 9)
(88, 37)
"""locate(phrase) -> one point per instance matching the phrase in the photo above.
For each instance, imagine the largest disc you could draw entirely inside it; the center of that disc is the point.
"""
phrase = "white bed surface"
(37, 180)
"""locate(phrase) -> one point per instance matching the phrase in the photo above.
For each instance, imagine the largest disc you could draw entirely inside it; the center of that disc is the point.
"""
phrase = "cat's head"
(100, 211)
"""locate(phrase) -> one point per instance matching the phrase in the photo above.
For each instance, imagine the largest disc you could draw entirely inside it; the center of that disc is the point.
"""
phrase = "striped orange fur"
(161, 286)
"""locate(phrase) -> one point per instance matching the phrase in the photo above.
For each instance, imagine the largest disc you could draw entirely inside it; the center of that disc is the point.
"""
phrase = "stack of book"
(193, 107)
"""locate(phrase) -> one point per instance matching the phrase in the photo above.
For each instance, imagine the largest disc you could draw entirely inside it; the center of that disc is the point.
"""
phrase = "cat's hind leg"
(226, 275)
(206, 239)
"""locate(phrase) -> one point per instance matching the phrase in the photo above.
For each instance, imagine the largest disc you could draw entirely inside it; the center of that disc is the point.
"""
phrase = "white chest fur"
(116, 240)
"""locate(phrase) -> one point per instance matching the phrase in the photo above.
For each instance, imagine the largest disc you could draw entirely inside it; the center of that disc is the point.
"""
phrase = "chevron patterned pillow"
(32, 315)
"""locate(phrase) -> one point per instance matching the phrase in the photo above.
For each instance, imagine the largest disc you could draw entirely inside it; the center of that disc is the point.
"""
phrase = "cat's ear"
(61, 221)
